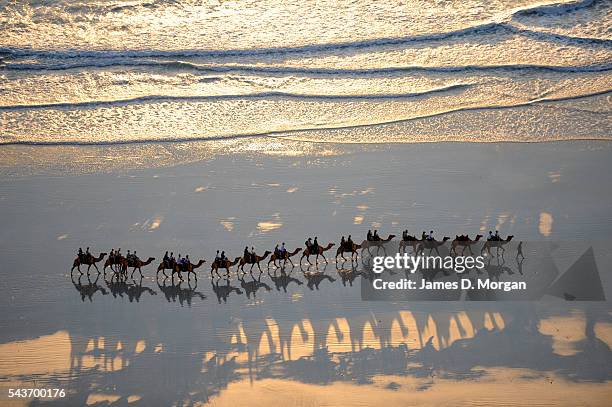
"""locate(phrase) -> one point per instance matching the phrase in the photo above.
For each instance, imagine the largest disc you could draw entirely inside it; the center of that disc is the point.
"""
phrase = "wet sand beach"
(300, 336)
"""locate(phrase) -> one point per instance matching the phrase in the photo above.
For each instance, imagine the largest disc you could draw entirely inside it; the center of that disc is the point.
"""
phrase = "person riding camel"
(405, 235)
(315, 244)
(375, 237)
(283, 250)
(349, 241)
(497, 237)
(423, 236)
(223, 258)
(490, 237)
(276, 251)
(246, 254)
(308, 243)
(166, 260)
(369, 236)
(253, 255)
(342, 242)
(80, 254)
(87, 254)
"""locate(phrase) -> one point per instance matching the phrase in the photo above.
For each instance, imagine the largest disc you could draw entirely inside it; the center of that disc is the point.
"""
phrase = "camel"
(253, 260)
(89, 261)
(114, 262)
(499, 244)
(188, 268)
(137, 264)
(431, 245)
(366, 244)
(286, 257)
(464, 241)
(346, 249)
(410, 241)
(320, 250)
(223, 264)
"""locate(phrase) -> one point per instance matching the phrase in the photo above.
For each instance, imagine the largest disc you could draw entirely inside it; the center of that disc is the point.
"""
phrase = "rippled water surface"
(350, 72)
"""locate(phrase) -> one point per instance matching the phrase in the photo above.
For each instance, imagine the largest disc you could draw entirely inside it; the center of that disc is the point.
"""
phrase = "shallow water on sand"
(298, 338)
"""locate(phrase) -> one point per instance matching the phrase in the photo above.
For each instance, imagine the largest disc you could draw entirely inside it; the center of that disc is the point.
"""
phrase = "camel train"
(120, 264)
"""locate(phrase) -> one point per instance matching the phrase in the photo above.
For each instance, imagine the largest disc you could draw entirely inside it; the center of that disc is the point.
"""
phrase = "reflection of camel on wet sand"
(499, 244)
(223, 264)
(366, 244)
(319, 252)
(88, 261)
(89, 289)
(464, 241)
(286, 257)
(315, 278)
(184, 295)
(431, 245)
(348, 248)
(133, 291)
(348, 276)
(283, 280)
(494, 271)
(251, 287)
(223, 291)
(253, 260)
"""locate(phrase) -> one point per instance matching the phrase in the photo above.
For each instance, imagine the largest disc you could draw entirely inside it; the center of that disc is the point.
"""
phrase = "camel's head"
(478, 236)
(391, 237)
(510, 238)
(150, 259)
(267, 252)
(445, 238)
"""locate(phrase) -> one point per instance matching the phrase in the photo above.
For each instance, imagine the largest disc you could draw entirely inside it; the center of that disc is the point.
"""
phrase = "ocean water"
(112, 72)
